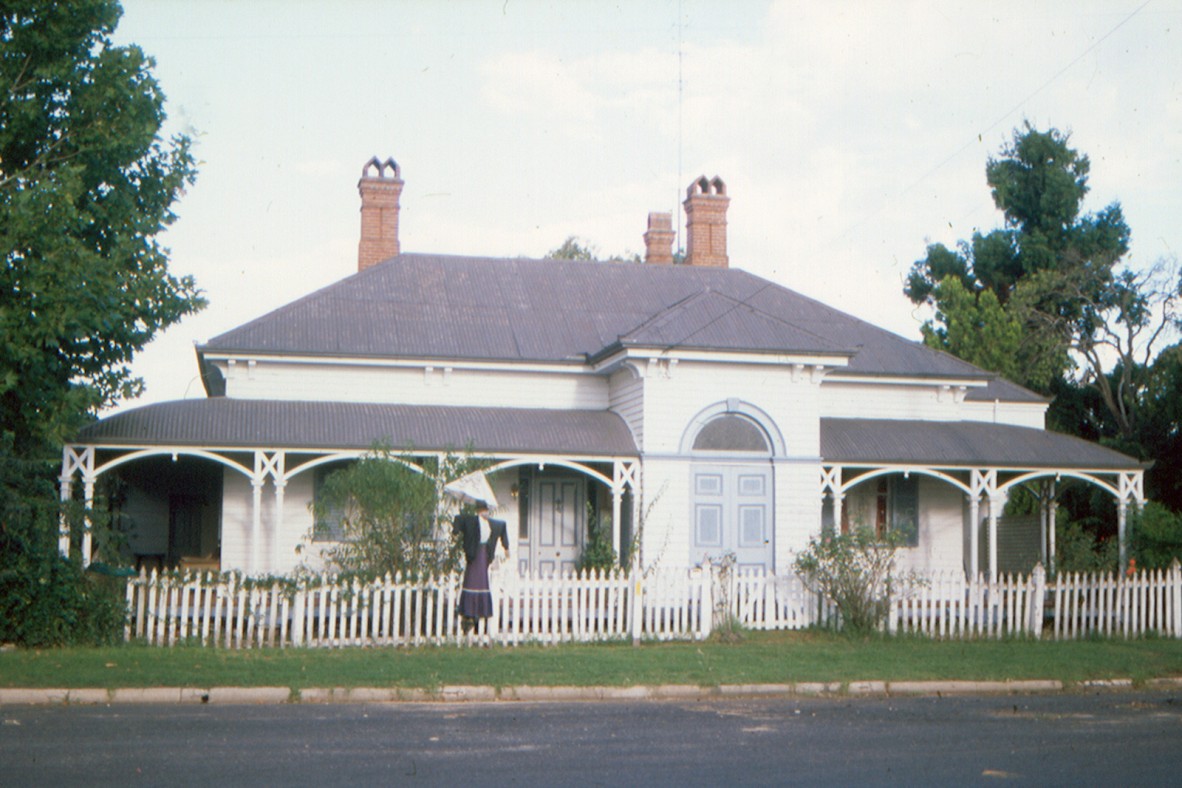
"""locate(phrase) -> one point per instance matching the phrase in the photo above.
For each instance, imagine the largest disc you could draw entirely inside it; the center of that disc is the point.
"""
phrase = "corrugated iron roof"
(246, 423)
(962, 443)
(449, 307)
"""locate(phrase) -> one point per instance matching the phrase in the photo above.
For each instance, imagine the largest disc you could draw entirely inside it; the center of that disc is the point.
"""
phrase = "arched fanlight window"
(730, 432)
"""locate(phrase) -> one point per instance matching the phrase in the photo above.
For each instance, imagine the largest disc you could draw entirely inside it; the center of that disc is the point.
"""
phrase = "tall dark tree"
(1018, 293)
(86, 185)
(1043, 299)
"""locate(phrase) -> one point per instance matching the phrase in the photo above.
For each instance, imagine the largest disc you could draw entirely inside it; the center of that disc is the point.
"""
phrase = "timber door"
(732, 513)
(557, 520)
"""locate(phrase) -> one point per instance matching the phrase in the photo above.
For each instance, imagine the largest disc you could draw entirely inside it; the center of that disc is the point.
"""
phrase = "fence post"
(1039, 576)
(297, 615)
(706, 610)
(635, 609)
(1176, 592)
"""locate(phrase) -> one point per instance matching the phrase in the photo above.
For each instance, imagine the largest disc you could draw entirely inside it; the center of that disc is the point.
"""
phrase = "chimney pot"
(380, 188)
(658, 239)
(705, 204)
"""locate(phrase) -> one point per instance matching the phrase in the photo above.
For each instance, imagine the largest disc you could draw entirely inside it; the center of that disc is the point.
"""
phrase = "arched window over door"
(732, 432)
(731, 492)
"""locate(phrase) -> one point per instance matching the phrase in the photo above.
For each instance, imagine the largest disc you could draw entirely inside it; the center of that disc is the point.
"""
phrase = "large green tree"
(86, 185)
(1044, 299)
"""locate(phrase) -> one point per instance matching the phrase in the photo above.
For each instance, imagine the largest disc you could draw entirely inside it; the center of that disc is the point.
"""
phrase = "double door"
(732, 513)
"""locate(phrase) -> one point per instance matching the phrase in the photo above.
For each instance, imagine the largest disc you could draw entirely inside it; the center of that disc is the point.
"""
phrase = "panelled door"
(558, 511)
(732, 513)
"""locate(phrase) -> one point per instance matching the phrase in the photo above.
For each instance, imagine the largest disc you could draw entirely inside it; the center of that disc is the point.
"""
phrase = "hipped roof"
(423, 306)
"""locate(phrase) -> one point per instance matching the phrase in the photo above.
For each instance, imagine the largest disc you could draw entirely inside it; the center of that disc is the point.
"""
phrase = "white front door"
(732, 513)
(557, 515)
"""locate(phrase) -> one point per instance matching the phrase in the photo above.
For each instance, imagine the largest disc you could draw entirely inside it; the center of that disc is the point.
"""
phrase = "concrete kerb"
(461, 693)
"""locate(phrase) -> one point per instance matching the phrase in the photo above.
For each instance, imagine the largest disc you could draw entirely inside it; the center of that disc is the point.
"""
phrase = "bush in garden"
(857, 571)
(45, 599)
(1155, 539)
(1077, 550)
(390, 516)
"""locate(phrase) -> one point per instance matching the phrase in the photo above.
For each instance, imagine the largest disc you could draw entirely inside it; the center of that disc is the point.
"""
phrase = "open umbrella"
(471, 488)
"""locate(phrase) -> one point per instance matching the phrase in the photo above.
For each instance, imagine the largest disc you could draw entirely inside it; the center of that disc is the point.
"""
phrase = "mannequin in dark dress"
(479, 535)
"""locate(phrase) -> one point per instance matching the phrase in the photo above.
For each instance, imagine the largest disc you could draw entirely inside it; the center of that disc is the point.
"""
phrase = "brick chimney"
(658, 239)
(705, 223)
(380, 186)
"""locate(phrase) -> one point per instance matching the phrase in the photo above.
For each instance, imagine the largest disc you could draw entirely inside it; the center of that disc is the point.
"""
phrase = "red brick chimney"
(380, 186)
(705, 222)
(658, 239)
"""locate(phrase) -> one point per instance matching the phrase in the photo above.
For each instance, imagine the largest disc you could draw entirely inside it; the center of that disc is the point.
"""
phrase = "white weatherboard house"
(724, 412)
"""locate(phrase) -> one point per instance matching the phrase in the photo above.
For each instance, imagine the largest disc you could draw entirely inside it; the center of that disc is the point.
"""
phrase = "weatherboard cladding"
(449, 307)
(231, 423)
(961, 443)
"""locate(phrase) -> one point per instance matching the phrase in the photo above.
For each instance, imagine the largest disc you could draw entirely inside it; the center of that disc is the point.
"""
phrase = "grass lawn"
(762, 657)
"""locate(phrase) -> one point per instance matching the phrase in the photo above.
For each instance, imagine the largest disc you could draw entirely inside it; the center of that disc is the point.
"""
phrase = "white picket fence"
(1072, 606)
(225, 610)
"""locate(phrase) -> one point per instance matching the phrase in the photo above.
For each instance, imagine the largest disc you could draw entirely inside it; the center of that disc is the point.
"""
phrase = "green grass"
(772, 657)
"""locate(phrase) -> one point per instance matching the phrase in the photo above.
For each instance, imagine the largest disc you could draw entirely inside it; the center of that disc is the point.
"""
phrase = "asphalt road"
(1123, 738)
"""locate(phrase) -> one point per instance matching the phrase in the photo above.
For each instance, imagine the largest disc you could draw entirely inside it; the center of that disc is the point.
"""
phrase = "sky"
(849, 134)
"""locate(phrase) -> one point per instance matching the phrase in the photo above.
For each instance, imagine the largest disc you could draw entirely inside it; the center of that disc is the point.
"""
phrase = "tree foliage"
(86, 184)
(1156, 536)
(46, 599)
(1045, 286)
(1046, 301)
(575, 249)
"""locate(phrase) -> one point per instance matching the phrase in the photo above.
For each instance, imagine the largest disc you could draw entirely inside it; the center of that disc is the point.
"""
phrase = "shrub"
(392, 517)
(597, 550)
(45, 599)
(857, 571)
(1078, 550)
(1155, 539)
(48, 600)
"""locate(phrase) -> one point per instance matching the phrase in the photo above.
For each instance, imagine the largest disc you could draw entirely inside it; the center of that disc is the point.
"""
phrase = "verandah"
(228, 611)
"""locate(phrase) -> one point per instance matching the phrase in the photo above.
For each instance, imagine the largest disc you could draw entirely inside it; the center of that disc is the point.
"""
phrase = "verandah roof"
(962, 443)
(232, 423)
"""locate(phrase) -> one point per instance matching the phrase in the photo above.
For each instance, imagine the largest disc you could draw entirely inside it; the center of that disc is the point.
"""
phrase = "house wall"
(660, 404)
(788, 404)
(886, 401)
(416, 386)
(1020, 414)
(276, 548)
(293, 546)
(942, 524)
(626, 397)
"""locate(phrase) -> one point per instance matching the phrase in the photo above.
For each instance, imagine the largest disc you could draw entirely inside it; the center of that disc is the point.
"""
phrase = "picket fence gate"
(226, 610)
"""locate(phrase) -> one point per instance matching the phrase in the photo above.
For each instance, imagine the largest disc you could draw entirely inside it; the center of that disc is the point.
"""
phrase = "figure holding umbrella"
(479, 535)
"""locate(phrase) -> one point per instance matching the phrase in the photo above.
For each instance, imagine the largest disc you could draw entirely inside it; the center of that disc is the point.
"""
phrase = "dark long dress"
(475, 596)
